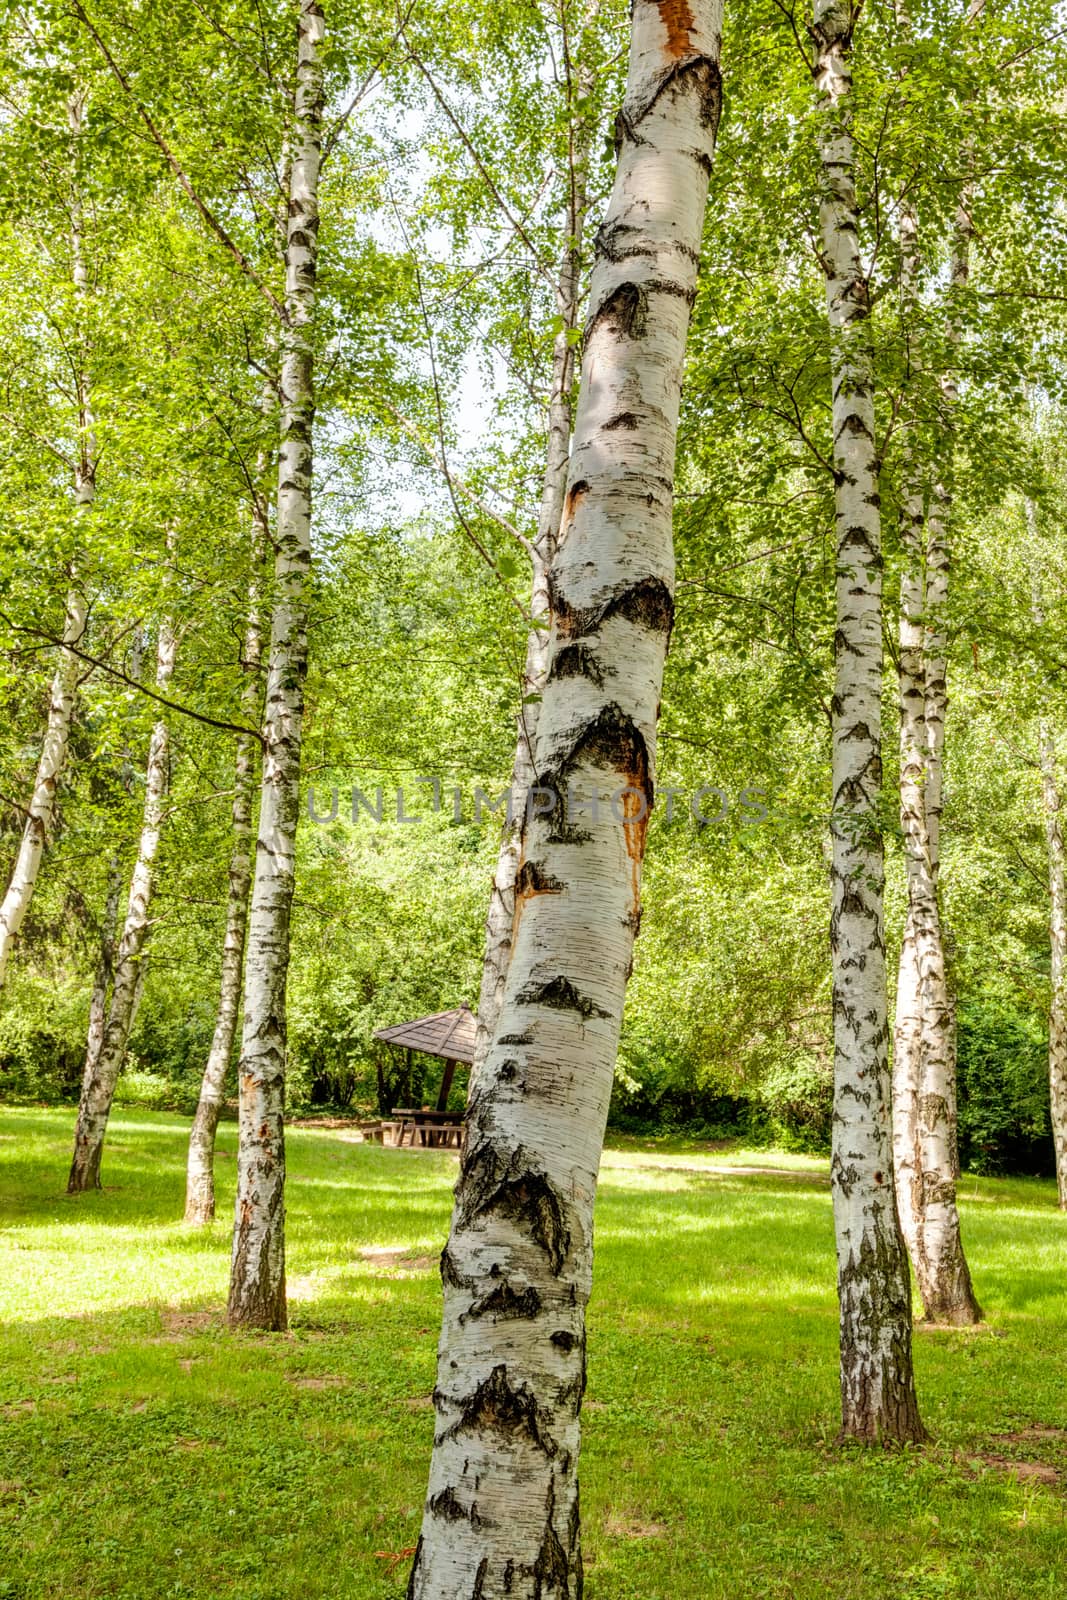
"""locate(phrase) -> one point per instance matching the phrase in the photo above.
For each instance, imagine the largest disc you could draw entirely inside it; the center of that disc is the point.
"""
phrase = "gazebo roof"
(447, 1034)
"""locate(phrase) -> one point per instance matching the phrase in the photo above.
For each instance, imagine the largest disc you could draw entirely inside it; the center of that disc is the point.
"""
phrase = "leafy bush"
(1003, 1089)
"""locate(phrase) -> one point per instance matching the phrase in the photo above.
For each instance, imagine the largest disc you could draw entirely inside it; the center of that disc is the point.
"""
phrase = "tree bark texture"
(878, 1399)
(501, 1515)
(53, 755)
(200, 1167)
(924, 1075)
(98, 1086)
(105, 972)
(257, 1268)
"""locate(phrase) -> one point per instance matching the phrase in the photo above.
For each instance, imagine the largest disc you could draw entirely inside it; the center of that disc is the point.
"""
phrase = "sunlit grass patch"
(147, 1453)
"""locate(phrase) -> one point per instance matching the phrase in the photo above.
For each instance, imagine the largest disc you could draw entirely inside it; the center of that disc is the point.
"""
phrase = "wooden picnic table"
(431, 1128)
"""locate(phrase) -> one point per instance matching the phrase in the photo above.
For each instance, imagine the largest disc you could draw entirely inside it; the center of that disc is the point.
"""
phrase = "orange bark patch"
(678, 21)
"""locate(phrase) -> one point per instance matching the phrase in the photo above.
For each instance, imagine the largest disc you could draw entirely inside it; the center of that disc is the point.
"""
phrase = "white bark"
(501, 1516)
(53, 755)
(1053, 805)
(1057, 1026)
(924, 1077)
(98, 1085)
(501, 914)
(105, 971)
(874, 1286)
(39, 814)
(200, 1167)
(257, 1269)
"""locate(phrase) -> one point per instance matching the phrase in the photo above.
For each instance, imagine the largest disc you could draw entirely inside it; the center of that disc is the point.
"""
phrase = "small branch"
(158, 140)
(133, 683)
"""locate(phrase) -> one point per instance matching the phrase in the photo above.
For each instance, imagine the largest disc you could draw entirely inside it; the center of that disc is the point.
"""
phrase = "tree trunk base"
(258, 1318)
(200, 1211)
(84, 1173)
(968, 1315)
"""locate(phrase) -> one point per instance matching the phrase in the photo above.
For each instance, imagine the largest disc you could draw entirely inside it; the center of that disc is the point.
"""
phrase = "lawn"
(146, 1452)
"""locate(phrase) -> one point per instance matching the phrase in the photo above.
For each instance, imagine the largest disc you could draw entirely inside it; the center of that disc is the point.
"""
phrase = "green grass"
(145, 1452)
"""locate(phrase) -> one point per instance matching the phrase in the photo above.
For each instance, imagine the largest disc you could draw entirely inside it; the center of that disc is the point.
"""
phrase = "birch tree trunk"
(257, 1268)
(501, 915)
(200, 1168)
(98, 1084)
(501, 1515)
(105, 972)
(907, 1037)
(1057, 1022)
(874, 1286)
(53, 755)
(16, 901)
(924, 1075)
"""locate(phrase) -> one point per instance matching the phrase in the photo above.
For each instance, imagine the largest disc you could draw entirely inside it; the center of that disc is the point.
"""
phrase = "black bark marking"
(503, 1304)
(625, 419)
(565, 1341)
(451, 1276)
(479, 1581)
(512, 1187)
(447, 1505)
(512, 1413)
(551, 1571)
(526, 1037)
(413, 1574)
(647, 604)
(561, 995)
(532, 879)
(576, 661)
(623, 313)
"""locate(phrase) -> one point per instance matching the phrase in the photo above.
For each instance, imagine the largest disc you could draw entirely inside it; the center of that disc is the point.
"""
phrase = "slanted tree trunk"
(105, 971)
(257, 1268)
(200, 1167)
(501, 915)
(877, 1384)
(53, 755)
(501, 1515)
(1057, 927)
(16, 901)
(98, 1086)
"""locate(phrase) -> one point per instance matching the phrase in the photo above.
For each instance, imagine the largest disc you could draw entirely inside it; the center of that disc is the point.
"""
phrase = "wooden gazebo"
(448, 1035)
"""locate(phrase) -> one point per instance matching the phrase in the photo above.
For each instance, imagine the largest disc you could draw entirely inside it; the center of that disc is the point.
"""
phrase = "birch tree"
(53, 756)
(924, 1076)
(257, 1269)
(501, 1514)
(100, 1078)
(501, 914)
(877, 1384)
(1052, 805)
(200, 1168)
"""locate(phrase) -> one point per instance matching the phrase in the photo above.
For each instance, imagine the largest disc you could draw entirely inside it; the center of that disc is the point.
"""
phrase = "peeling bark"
(877, 1384)
(257, 1268)
(200, 1167)
(500, 919)
(98, 1083)
(501, 1515)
